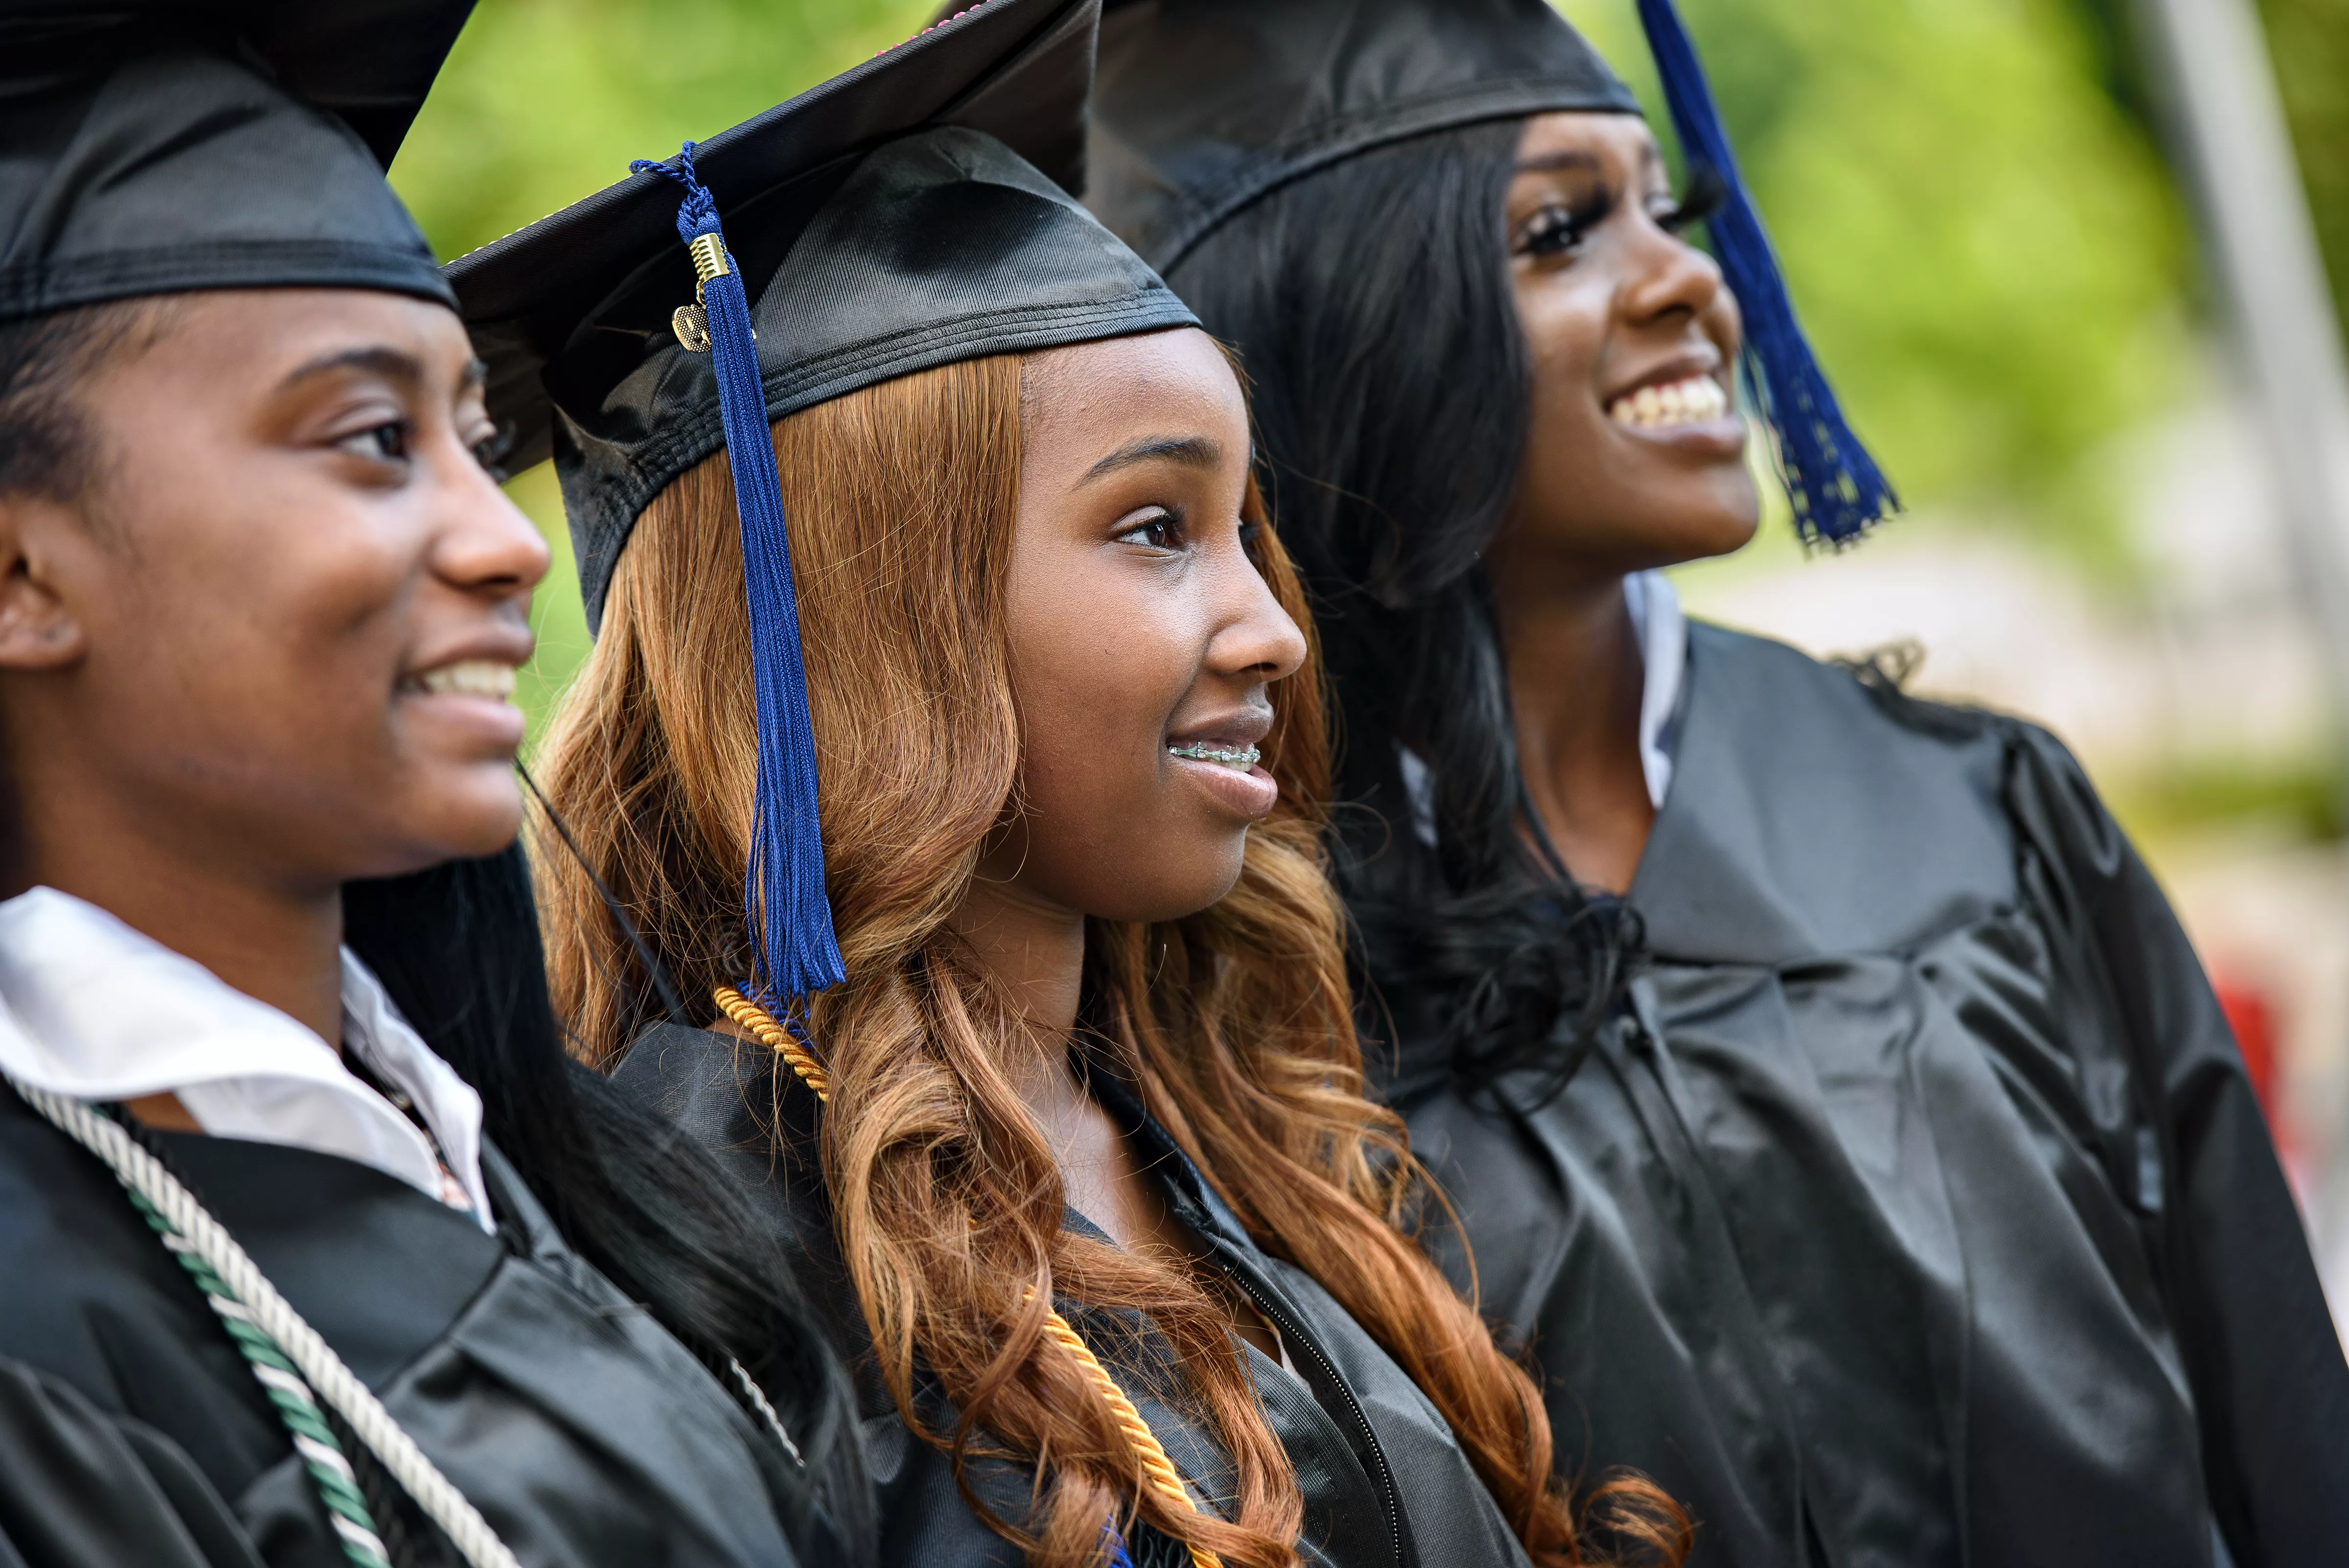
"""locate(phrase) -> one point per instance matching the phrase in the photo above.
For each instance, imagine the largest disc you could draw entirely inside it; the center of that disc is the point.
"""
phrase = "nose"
(1257, 640)
(485, 546)
(1669, 277)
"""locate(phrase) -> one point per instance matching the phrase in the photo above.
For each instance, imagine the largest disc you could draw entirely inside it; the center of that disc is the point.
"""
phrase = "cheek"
(1110, 832)
(1565, 334)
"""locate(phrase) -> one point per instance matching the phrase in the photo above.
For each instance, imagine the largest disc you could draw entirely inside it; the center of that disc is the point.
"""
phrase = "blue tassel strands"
(783, 891)
(1837, 490)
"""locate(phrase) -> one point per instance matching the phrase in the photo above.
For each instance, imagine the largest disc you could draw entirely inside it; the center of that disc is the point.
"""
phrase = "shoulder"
(1818, 808)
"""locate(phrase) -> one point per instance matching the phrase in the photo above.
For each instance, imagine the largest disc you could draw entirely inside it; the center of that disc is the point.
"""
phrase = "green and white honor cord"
(293, 1364)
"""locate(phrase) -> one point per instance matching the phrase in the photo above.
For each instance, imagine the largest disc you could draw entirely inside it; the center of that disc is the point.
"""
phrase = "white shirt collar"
(1662, 632)
(94, 1009)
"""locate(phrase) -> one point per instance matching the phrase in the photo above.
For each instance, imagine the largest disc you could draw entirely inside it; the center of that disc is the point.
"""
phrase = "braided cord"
(1155, 1464)
(321, 1454)
(261, 1319)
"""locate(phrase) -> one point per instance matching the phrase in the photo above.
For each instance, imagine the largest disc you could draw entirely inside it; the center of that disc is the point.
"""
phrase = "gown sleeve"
(2261, 1351)
(79, 1488)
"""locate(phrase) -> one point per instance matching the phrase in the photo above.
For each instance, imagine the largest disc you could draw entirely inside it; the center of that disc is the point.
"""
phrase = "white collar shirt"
(93, 1010)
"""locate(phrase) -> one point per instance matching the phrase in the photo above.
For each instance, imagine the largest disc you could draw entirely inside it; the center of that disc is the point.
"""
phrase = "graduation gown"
(132, 1430)
(1917, 1209)
(1385, 1483)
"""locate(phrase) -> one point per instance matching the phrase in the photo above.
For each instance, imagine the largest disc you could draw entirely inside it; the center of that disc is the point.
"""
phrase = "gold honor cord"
(749, 1015)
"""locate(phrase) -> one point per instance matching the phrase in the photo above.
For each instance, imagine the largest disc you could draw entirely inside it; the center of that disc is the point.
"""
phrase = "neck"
(276, 943)
(1575, 680)
(1036, 951)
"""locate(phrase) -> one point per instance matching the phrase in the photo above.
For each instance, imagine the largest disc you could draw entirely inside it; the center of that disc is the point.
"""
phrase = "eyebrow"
(1565, 157)
(1191, 452)
(390, 363)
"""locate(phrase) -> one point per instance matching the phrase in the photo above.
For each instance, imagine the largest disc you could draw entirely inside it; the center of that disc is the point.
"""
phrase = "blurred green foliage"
(1972, 214)
(2309, 42)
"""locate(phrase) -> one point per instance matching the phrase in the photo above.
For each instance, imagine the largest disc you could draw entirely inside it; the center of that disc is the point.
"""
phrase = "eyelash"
(394, 438)
(1172, 522)
(493, 451)
(1557, 230)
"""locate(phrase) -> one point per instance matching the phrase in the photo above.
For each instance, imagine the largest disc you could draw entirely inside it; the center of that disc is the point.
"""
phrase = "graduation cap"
(914, 211)
(1205, 105)
(159, 146)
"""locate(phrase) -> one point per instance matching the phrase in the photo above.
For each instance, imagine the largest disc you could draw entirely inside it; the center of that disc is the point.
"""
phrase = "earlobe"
(38, 630)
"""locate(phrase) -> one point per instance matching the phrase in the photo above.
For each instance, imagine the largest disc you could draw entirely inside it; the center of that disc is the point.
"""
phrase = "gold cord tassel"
(1156, 1465)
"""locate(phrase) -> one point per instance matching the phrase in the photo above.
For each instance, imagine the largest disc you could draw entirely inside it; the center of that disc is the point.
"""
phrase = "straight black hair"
(457, 947)
(1370, 306)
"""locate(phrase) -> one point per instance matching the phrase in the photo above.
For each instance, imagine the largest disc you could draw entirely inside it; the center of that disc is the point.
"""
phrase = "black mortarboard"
(173, 145)
(899, 217)
(1205, 105)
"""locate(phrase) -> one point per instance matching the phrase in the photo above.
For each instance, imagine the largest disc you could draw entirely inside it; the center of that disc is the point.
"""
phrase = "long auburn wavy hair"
(1234, 1023)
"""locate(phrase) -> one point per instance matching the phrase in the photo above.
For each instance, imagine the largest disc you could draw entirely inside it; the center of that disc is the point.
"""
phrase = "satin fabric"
(1384, 1481)
(132, 1432)
(1917, 1209)
(164, 148)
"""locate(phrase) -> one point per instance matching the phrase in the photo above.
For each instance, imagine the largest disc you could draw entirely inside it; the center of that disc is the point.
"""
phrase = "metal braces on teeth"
(1242, 759)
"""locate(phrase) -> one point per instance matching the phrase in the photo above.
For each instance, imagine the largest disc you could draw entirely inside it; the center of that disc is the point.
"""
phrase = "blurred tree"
(2309, 40)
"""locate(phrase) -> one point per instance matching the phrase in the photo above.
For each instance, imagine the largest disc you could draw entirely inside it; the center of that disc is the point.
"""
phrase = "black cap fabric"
(891, 220)
(170, 147)
(1204, 106)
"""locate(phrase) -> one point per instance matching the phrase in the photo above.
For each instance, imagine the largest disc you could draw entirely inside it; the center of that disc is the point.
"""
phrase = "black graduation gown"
(1916, 1210)
(132, 1430)
(1385, 1483)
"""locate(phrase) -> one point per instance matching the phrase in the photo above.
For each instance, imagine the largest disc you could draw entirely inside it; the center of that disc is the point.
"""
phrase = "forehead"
(1617, 145)
(1096, 392)
(250, 342)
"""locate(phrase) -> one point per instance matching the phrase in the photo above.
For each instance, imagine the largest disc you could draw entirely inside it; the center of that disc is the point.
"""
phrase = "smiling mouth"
(468, 678)
(1699, 399)
(1240, 760)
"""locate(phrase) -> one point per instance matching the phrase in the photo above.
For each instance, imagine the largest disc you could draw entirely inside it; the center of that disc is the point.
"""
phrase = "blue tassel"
(1118, 1557)
(783, 890)
(1835, 487)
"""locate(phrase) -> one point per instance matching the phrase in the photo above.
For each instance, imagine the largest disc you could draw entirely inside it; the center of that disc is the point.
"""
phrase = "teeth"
(1692, 401)
(1241, 760)
(470, 678)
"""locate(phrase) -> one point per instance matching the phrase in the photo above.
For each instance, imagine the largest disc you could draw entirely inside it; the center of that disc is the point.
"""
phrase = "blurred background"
(2077, 267)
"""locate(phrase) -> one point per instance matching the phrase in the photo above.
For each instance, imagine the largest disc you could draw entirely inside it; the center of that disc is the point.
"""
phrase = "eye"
(1160, 530)
(386, 443)
(1552, 232)
(491, 452)
(1706, 192)
(1557, 228)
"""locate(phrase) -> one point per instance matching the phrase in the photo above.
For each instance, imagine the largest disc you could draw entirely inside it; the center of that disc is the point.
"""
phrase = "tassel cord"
(790, 1044)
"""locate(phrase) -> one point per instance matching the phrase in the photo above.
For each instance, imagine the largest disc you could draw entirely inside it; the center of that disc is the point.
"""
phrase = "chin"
(479, 818)
(1182, 890)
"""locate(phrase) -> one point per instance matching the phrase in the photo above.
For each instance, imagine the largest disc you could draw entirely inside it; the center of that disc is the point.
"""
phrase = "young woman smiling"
(1826, 1092)
(314, 1247)
(1071, 1141)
